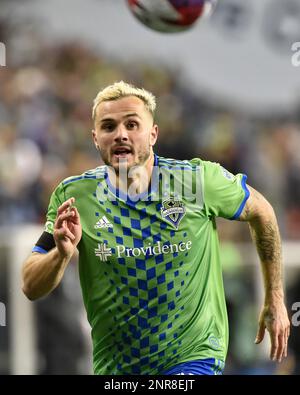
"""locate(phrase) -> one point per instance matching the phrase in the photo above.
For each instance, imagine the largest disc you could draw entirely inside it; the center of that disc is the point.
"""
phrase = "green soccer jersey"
(150, 268)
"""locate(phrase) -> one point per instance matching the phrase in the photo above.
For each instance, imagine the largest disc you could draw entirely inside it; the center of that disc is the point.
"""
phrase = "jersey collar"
(144, 196)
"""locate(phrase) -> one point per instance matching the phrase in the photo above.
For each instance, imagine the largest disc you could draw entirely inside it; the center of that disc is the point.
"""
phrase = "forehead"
(120, 107)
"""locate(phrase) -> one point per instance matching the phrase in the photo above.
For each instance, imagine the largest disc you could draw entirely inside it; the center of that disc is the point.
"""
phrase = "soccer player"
(149, 258)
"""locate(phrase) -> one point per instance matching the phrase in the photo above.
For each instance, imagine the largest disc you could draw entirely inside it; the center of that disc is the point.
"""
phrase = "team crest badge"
(173, 211)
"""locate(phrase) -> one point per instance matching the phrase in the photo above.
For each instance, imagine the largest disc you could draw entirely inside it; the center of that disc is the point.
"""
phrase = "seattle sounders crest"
(173, 211)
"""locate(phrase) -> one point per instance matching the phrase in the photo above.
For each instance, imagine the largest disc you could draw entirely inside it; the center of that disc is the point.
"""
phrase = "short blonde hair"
(121, 89)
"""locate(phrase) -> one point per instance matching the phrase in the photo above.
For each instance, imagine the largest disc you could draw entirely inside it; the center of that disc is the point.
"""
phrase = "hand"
(274, 318)
(67, 228)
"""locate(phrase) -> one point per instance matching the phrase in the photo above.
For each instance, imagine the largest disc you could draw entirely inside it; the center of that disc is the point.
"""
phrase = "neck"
(136, 180)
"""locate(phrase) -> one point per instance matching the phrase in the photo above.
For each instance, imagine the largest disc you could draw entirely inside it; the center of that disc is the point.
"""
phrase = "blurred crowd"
(45, 122)
(46, 95)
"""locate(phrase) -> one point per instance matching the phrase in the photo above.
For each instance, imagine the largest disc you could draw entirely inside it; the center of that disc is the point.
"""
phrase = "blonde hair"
(121, 89)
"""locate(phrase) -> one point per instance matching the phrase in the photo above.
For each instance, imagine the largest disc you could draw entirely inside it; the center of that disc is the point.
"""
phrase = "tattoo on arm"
(265, 233)
(267, 241)
(268, 246)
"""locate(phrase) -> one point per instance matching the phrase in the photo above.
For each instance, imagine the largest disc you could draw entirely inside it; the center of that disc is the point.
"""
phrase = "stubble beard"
(122, 165)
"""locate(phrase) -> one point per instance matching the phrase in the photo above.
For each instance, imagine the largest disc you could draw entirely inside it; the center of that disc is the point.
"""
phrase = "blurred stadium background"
(227, 91)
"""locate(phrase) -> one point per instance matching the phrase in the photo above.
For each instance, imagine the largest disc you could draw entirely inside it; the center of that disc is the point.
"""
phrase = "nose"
(121, 134)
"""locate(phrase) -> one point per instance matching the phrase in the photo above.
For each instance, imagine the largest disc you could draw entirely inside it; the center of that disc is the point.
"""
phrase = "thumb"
(260, 333)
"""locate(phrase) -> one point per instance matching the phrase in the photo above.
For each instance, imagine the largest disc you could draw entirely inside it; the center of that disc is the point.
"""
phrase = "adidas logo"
(103, 223)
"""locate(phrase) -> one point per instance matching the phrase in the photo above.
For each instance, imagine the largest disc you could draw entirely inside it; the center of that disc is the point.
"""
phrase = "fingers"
(63, 217)
(66, 205)
(279, 349)
(279, 344)
(275, 320)
(64, 233)
(260, 334)
(287, 335)
(274, 347)
(67, 212)
(75, 218)
(67, 221)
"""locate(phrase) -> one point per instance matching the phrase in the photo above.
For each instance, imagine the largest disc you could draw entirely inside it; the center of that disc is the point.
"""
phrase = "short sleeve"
(225, 194)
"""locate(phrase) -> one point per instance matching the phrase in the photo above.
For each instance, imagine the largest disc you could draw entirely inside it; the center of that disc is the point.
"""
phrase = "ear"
(153, 135)
(94, 135)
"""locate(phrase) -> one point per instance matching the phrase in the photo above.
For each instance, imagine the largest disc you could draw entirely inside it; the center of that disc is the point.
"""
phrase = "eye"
(108, 127)
(132, 125)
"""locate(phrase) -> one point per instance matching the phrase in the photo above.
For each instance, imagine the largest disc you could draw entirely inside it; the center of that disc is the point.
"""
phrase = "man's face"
(124, 132)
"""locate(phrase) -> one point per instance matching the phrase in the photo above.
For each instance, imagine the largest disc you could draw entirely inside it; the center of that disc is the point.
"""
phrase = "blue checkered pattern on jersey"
(143, 291)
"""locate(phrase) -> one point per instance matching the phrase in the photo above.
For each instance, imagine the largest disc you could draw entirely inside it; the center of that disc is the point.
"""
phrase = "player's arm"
(260, 215)
(42, 273)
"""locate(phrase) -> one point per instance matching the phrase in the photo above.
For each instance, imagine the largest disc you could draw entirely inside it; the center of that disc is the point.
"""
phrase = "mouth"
(122, 152)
